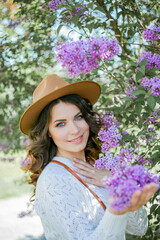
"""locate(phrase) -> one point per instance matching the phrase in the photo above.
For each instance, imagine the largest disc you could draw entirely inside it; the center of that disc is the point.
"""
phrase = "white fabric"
(69, 211)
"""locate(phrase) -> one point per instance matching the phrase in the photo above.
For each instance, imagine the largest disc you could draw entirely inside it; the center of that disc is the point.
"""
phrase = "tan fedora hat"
(51, 88)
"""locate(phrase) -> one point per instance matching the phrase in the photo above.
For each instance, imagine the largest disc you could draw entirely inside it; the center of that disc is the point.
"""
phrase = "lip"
(77, 140)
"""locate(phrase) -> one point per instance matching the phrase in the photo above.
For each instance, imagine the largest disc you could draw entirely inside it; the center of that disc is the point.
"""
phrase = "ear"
(49, 134)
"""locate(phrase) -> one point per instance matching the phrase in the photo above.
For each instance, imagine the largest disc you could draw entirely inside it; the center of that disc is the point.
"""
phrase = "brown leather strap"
(81, 180)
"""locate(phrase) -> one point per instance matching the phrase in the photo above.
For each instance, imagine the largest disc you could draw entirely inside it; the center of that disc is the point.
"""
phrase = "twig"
(113, 76)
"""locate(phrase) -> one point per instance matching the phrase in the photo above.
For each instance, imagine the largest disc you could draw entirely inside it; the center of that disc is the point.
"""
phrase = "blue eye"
(79, 117)
(61, 124)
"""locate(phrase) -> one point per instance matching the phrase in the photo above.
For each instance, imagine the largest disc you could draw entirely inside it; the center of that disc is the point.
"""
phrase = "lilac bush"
(127, 172)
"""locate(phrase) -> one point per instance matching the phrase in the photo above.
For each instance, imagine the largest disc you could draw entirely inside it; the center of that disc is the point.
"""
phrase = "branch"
(117, 80)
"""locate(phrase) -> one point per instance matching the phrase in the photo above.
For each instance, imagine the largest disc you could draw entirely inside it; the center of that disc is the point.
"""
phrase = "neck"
(71, 156)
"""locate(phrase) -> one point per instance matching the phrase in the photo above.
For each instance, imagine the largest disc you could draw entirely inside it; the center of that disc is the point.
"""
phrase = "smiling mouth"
(76, 139)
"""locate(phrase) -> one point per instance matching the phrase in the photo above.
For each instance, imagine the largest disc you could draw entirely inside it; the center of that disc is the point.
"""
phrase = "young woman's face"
(68, 130)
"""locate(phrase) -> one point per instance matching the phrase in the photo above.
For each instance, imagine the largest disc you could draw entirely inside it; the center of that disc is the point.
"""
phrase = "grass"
(12, 178)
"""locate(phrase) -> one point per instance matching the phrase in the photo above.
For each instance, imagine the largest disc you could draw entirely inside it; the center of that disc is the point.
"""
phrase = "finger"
(147, 192)
(84, 173)
(141, 198)
(81, 164)
(94, 182)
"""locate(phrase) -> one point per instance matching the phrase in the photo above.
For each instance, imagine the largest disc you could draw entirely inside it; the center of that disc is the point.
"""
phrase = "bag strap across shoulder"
(81, 180)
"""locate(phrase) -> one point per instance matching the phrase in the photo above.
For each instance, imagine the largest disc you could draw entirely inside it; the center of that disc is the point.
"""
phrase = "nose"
(74, 129)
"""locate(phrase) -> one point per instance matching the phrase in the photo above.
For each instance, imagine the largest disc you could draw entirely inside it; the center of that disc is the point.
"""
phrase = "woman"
(63, 127)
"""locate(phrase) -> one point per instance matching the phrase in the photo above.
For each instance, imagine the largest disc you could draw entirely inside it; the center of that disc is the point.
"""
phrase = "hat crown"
(48, 85)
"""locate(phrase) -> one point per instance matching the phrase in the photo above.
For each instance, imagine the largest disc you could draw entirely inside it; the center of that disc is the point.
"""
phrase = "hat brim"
(86, 89)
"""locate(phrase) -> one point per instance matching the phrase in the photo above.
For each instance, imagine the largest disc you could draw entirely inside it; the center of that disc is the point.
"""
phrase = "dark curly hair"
(42, 148)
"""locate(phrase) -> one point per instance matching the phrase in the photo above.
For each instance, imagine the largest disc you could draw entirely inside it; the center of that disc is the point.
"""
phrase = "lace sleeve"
(70, 212)
(137, 222)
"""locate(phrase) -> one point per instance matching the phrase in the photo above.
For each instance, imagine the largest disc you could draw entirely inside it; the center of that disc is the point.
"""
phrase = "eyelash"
(58, 125)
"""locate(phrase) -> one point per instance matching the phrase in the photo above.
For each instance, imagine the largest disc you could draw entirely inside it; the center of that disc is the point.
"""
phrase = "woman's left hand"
(94, 176)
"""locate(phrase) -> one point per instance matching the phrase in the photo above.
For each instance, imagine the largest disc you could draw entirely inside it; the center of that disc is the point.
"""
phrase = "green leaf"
(90, 5)
(127, 104)
(90, 27)
(138, 108)
(143, 63)
(139, 75)
(142, 69)
(155, 155)
(158, 100)
(138, 92)
(75, 20)
(151, 102)
(100, 9)
(153, 207)
(59, 28)
(149, 92)
(140, 124)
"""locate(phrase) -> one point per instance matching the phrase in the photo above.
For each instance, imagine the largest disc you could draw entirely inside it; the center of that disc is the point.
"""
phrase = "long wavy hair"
(42, 148)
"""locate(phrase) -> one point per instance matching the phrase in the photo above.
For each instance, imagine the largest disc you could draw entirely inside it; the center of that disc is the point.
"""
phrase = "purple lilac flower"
(155, 87)
(150, 35)
(110, 138)
(125, 181)
(106, 162)
(108, 120)
(145, 82)
(126, 155)
(131, 88)
(153, 60)
(153, 83)
(153, 120)
(84, 56)
(55, 3)
(78, 9)
(67, 18)
(25, 162)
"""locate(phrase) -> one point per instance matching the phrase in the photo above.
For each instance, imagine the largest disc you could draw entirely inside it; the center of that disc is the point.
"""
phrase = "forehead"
(64, 110)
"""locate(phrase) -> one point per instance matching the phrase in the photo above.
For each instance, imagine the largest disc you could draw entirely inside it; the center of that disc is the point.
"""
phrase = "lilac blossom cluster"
(126, 155)
(154, 119)
(83, 56)
(110, 135)
(148, 137)
(55, 3)
(152, 83)
(67, 18)
(131, 88)
(110, 138)
(106, 162)
(77, 10)
(125, 181)
(152, 33)
(108, 120)
(153, 60)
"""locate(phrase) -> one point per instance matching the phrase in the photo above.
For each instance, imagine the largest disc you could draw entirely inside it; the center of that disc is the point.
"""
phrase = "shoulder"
(55, 176)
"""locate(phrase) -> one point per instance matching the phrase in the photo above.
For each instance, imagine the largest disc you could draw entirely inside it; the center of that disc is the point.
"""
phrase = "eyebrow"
(62, 120)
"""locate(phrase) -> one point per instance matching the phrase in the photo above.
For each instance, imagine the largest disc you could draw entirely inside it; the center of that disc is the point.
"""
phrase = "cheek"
(57, 136)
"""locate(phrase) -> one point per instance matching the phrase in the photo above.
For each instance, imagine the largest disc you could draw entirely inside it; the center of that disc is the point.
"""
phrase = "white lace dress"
(69, 211)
